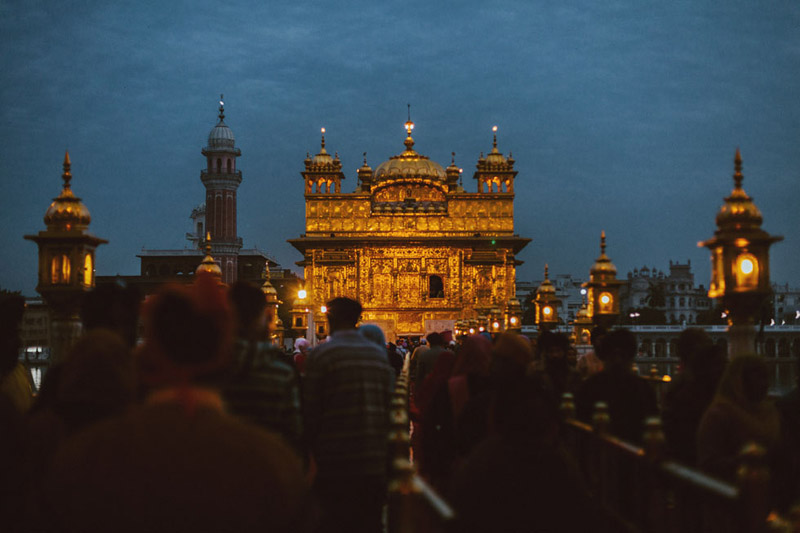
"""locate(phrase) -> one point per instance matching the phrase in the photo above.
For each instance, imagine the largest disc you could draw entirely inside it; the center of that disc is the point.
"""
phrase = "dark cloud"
(622, 116)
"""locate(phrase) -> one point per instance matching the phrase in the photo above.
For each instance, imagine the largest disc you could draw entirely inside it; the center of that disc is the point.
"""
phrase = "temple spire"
(494, 139)
(603, 242)
(322, 141)
(221, 108)
(67, 175)
(737, 167)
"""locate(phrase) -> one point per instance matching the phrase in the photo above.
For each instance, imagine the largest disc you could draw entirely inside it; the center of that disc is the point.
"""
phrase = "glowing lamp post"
(66, 263)
(514, 316)
(740, 264)
(299, 314)
(603, 289)
(546, 304)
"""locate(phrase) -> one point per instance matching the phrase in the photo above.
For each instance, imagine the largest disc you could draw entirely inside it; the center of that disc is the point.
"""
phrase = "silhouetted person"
(179, 462)
(788, 480)
(519, 479)
(424, 362)
(691, 392)
(259, 386)
(552, 351)
(630, 399)
(739, 413)
(347, 392)
(15, 401)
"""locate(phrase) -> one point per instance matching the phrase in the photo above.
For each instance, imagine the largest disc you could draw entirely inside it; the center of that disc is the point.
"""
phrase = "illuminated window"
(436, 287)
(87, 270)
(61, 269)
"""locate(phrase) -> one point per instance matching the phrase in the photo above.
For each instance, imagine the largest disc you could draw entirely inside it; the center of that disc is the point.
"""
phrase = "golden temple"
(410, 244)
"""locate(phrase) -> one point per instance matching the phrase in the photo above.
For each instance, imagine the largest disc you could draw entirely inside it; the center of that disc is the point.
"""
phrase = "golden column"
(66, 263)
(740, 264)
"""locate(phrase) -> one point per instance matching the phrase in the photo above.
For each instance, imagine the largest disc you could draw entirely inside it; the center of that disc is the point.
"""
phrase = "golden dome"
(270, 294)
(67, 212)
(603, 267)
(739, 212)
(410, 164)
(546, 288)
(208, 264)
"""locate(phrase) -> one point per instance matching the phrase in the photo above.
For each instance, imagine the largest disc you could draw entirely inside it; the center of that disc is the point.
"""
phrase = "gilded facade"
(417, 250)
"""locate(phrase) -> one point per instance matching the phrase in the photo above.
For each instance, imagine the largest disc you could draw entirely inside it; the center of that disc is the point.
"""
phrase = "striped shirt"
(263, 389)
(346, 392)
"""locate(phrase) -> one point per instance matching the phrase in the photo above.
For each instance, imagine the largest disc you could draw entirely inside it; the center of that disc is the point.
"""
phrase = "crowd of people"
(181, 415)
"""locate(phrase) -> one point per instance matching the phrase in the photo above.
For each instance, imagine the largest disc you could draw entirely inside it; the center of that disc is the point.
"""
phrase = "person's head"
(474, 356)
(249, 307)
(526, 409)
(551, 346)
(511, 356)
(301, 345)
(596, 335)
(617, 349)
(435, 339)
(12, 306)
(188, 332)
(114, 307)
(691, 342)
(745, 381)
(343, 313)
(97, 379)
(373, 333)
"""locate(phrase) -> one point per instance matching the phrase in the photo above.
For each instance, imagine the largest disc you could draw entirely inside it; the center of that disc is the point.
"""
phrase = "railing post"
(654, 440)
(753, 479)
(567, 407)
(601, 421)
(654, 500)
(404, 498)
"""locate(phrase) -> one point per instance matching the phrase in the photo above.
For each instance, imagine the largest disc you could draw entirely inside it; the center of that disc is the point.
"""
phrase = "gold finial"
(67, 175)
(603, 242)
(322, 143)
(365, 158)
(494, 140)
(546, 272)
(265, 274)
(409, 125)
(453, 160)
(737, 168)
(208, 243)
(221, 107)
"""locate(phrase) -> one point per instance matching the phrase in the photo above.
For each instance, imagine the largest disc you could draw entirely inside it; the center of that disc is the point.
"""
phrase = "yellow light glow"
(605, 299)
(513, 320)
(482, 328)
(324, 309)
(547, 311)
(741, 243)
(302, 294)
(666, 378)
(322, 130)
(746, 266)
(496, 325)
(494, 128)
(87, 270)
(471, 331)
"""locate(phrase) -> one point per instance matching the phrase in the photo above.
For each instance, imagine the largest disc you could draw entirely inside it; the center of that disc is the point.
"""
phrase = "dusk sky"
(621, 115)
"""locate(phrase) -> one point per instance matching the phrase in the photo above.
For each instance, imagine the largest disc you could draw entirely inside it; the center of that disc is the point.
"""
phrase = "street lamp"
(546, 304)
(740, 264)
(603, 289)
